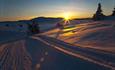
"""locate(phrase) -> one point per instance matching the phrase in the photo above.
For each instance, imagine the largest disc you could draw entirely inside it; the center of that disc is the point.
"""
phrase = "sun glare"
(67, 16)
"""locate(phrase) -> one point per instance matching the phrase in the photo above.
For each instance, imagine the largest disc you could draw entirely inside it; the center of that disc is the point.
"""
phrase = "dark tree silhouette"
(113, 14)
(34, 27)
(99, 10)
(98, 15)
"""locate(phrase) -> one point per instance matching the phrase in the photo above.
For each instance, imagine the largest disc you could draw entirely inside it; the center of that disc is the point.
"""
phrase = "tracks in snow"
(13, 56)
(103, 59)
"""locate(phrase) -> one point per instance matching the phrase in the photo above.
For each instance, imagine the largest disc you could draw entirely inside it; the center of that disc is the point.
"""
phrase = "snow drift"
(99, 35)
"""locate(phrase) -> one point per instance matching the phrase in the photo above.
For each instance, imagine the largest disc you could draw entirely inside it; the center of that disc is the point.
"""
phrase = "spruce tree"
(98, 15)
(113, 14)
(99, 10)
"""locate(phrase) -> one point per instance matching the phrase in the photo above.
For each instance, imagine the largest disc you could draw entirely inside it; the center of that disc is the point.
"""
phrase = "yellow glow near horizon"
(67, 16)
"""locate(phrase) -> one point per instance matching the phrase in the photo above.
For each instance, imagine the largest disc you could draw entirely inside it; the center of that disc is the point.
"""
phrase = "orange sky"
(27, 9)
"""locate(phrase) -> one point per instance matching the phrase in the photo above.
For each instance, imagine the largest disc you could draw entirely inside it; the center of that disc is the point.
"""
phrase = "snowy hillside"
(20, 51)
(85, 33)
(99, 35)
(22, 26)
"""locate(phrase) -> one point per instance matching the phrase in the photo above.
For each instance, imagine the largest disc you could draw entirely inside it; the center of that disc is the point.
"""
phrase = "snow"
(22, 26)
(85, 33)
(96, 35)
(17, 30)
(31, 54)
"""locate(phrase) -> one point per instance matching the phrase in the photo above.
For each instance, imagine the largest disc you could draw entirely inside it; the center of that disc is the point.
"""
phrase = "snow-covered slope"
(22, 26)
(98, 35)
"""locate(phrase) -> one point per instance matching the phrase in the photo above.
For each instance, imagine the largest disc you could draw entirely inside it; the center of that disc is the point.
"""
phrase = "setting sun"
(67, 16)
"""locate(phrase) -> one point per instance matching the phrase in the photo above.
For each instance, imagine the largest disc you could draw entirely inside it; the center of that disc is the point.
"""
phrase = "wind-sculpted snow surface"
(70, 49)
(99, 35)
(102, 59)
(13, 56)
(45, 53)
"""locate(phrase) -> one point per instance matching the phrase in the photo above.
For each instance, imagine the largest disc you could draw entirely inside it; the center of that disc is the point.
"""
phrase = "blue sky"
(26, 9)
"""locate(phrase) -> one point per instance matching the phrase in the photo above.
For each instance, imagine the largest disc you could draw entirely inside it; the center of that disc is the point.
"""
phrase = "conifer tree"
(113, 14)
(98, 15)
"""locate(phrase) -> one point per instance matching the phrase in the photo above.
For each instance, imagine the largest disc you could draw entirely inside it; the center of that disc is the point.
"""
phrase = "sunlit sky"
(11, 10)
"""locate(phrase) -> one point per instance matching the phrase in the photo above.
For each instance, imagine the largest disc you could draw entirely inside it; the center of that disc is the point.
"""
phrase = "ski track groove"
(15, 57)
(94, 60)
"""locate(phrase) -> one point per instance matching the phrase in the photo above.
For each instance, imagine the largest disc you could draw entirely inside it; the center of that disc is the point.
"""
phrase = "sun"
(66, 16)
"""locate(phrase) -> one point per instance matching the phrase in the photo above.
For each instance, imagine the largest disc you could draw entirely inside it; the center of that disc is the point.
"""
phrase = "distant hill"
(38, 19)
(47, 20)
